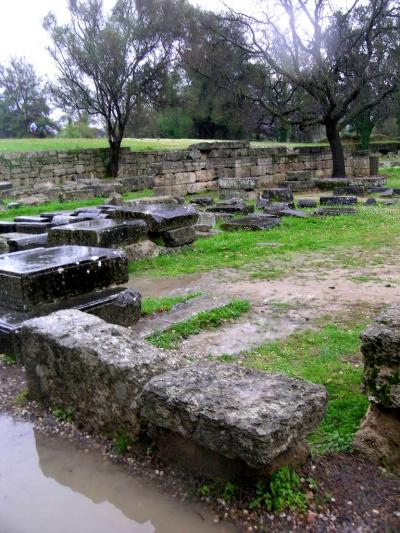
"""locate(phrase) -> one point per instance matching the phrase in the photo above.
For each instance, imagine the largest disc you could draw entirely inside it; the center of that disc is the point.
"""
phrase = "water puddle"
(49, 486)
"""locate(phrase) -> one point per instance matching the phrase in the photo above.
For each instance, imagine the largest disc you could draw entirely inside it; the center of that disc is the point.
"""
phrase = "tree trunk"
(339, 169)
(113, 165)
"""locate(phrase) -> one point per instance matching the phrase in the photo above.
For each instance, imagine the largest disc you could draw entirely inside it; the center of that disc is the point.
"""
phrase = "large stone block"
(278, 195)
(250, 422)
(179, 236)
(40, 276)
(381, 351)
(338, 200)
(75, 360)
(99, 232)
(159, 218)
(252, 222)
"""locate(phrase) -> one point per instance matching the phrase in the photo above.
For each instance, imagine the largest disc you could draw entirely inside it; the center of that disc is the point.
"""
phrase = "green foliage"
(393, 175)
(329, 356)
(284, 491)
(9, 359)
(65, 414)
(80, 129)
(122, 442)
(22, 397)
(213, 318)
(165, 303)
(175, 123)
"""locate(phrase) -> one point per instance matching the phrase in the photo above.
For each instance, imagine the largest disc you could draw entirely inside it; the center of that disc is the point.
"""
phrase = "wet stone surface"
(239, 413)
(105, 368)
(102, 232)
(44, 275)
(25, 241)
(338, 200)
(158, 217)
(255, 222)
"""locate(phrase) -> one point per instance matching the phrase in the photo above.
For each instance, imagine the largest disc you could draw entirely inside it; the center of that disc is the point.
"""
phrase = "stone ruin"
(222, 421)
(39, 282)
(378, 438)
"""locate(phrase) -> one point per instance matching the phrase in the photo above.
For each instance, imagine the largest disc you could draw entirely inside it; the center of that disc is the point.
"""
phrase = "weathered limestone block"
(252, 222)
(334, 211)
(338, 200)
(206, 221)
(378, 438)
(278, 195)
(306, 202)
(232, 421)
(75, 360)
(3, 246)
(381, 352)
(159, 218)
(179, 236)
(246, 184)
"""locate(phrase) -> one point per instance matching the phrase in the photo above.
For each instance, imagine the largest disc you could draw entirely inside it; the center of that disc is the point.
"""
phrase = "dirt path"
(282, 306)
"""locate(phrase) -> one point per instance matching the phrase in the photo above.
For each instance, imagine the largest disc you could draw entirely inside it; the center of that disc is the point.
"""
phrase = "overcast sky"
(21, 32)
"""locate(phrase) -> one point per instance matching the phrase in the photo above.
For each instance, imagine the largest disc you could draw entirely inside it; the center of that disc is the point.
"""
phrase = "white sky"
(21, 32)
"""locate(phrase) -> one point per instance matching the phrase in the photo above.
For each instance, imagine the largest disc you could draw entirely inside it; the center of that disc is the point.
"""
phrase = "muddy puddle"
(49, 486)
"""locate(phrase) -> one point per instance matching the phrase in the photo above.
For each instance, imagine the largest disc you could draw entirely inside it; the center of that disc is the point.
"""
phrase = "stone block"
(159, 218)
(306, 202)
(99, 232)
(381, 352)
(39, 276)
(332, 211)
(252, 223)
(278, 195)
(78, 361)
(179, 236)
(338, 200)
(238, 421)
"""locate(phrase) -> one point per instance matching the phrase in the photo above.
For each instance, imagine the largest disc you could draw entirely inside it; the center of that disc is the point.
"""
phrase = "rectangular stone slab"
(7, 227)
(240, 413)
(159, 217)
(25, 241)
(40, 276)
(32, 227)
(101, 232)
(116, 306)
(103, 368)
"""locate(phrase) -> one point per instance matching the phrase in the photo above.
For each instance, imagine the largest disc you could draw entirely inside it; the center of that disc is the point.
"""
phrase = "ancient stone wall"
(175, 172)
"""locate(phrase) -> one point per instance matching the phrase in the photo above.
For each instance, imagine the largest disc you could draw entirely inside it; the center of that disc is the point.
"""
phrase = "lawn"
(9, 214)
(373, 227)
(137, 145)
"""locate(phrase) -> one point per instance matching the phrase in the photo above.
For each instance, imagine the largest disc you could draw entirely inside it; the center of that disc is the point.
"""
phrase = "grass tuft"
(213, 318)
(165, 303)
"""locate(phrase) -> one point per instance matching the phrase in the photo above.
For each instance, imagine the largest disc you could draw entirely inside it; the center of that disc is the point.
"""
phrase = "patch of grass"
(165, 303)
(213, 318)
(22, 397)
(284, 491)
(9, 359)
(393, 175)
(329, 356)
(9, 214)
(373, 226)
(65, 414)
(122, 442)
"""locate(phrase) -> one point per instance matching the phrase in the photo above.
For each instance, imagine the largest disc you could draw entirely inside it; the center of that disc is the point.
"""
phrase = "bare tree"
(320, 61)
(108, 63)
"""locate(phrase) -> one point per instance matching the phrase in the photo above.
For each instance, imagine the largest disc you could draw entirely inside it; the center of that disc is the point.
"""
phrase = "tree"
(109, 63)
(22, 99)
(321, 62)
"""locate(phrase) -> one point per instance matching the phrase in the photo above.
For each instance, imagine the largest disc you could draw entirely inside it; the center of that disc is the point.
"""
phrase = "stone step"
(180, 313)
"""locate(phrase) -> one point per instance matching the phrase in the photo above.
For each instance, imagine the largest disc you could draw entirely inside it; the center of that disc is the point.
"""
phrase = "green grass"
(165, 303)
(9, 214)
(331, 357)
(393, 174)
(372, 228)
(136, 145)
(213, 318)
